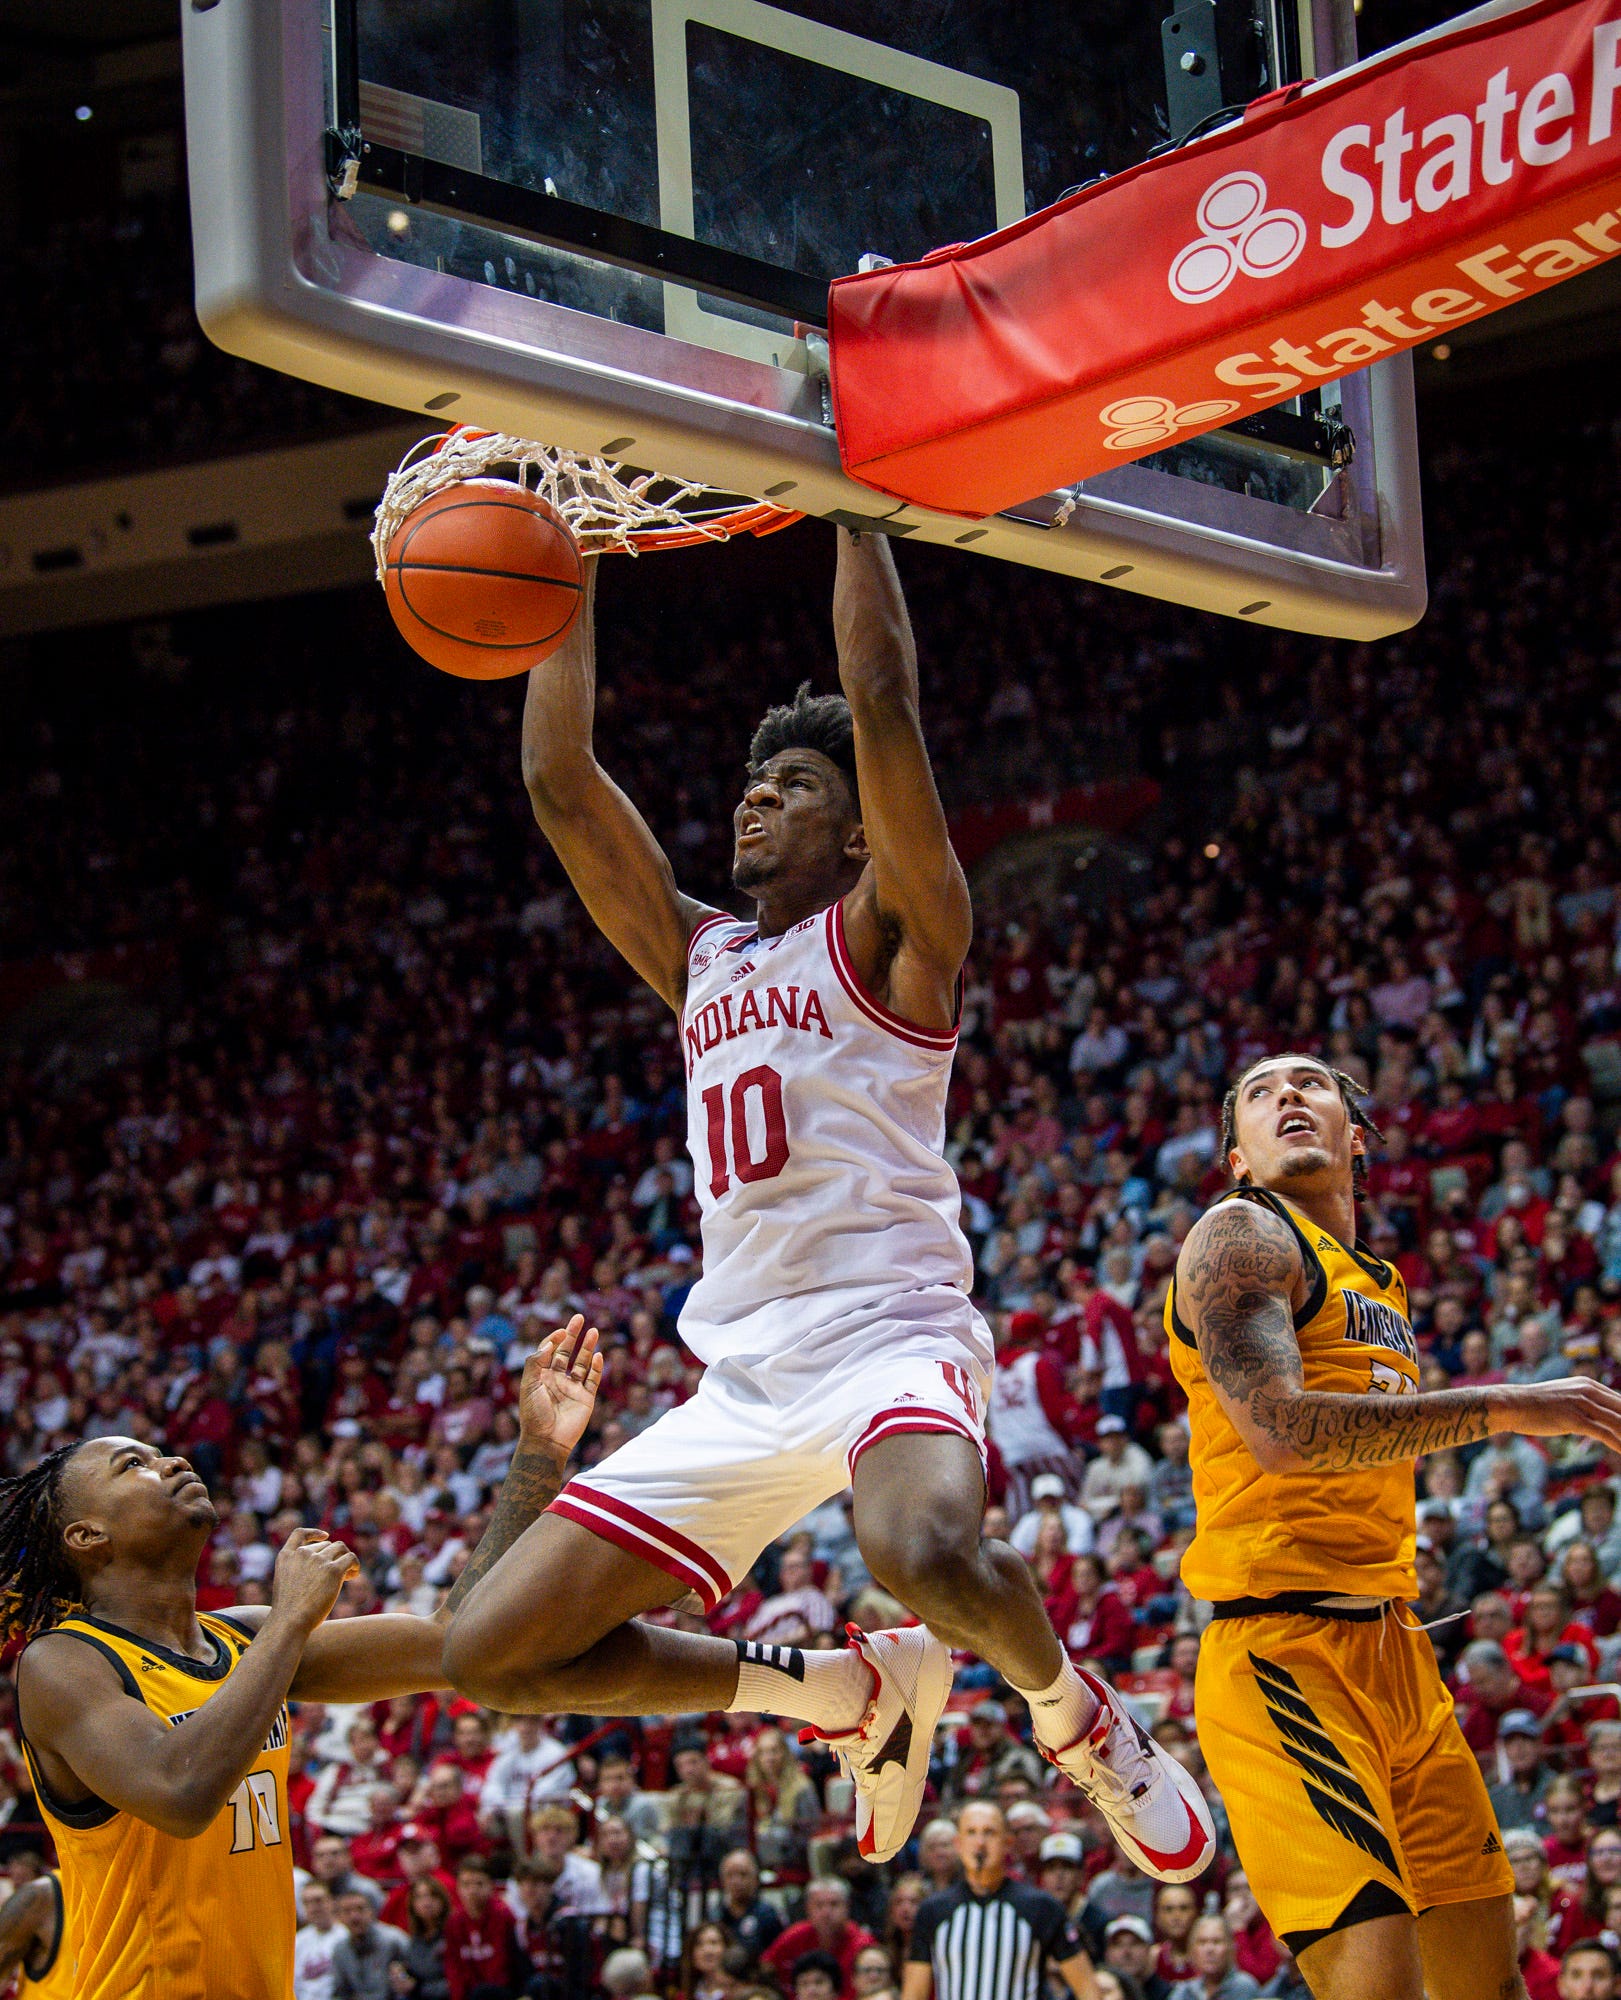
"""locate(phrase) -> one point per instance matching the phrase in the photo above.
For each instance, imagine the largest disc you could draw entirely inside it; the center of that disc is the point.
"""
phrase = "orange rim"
(754, 517)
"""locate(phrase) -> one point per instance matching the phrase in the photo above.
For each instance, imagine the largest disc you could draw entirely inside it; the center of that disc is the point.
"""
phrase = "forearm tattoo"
(1238, 1276)
(533, 1482)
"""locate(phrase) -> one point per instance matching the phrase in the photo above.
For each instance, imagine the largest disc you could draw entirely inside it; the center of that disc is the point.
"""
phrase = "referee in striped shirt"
(986, 1938)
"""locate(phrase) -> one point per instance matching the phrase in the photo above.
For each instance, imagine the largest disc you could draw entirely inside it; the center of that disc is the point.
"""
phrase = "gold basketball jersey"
(1261, 1534)
(54, 1980)
(152, 1917)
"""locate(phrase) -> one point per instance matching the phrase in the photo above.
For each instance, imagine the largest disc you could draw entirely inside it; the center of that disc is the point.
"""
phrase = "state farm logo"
(1144, 420)
(1240, 233)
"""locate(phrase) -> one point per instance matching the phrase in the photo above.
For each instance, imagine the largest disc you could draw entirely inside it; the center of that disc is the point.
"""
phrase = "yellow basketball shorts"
(1348, 1785)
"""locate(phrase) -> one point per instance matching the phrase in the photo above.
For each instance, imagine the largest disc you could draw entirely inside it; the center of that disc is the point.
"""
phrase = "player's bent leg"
(1469, 1951)
(550, 1628)
(919, 1503)
(1380, 1957)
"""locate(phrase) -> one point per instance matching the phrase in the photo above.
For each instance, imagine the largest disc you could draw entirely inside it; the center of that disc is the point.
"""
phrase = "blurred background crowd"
(320, 1101)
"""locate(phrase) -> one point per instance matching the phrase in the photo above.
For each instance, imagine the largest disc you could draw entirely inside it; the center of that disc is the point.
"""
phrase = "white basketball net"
(609, 509)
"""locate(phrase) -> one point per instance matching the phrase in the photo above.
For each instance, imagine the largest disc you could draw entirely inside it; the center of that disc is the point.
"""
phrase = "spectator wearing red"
(1547, 1623)
(470, 1748)
(1565, 1842)
(1489, 1688)
(480, 1935)
(448, 1814)
(416, 1854)
(1097, 1623)
(1593, 1602)
(825, 1926)
(1033, 1420)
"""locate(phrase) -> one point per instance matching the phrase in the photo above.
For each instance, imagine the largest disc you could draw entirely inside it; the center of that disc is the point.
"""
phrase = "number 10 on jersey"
(748, 1138)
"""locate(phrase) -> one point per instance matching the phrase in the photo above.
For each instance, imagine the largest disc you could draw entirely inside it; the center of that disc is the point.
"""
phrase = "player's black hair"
(808, 722)
(1351, 1095)
(38, 1585)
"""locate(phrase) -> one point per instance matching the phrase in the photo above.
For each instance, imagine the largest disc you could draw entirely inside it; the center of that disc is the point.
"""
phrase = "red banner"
(1339, 222)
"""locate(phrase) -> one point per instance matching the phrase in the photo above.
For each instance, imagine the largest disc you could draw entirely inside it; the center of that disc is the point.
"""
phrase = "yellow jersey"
(1269, 1534)
(54, 1980)
(153, 1917)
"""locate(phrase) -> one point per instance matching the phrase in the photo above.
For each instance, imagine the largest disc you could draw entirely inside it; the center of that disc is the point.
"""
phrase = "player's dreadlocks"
(1351, 1095)
(37, 1582)
(808, 722)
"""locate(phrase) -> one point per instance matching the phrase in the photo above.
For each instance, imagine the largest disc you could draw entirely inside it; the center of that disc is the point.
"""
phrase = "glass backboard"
(610, 224)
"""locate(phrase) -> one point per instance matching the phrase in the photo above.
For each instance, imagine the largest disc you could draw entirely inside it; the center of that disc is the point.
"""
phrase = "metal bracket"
(343, 151)
(1193, 89)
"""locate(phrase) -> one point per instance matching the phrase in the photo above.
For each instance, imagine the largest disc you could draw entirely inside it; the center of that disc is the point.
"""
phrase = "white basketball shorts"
(709, 1485)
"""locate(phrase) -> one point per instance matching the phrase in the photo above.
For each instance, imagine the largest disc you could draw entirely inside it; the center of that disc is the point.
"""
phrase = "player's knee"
(501, 1669)
(921, 1561)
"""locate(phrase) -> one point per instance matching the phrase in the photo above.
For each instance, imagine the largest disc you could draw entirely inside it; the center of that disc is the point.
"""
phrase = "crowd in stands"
(108, 305)
(397, 1111)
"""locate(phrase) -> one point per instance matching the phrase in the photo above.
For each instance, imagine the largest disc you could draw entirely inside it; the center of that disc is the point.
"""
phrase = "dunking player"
(1358, 1809)
(833, 1310)
(157, 1737)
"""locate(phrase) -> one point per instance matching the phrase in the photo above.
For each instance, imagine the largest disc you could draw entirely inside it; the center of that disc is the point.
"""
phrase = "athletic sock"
(1064, 1711)
(830, 1691)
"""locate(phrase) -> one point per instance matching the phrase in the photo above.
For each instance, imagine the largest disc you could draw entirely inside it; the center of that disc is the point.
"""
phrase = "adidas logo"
(1493, 1845)
(148, 1666)
(1325, 1242)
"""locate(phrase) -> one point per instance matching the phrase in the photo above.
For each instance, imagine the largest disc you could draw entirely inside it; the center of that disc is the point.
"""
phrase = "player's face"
(1292, 1127)
(121, 1494)
(796, 820)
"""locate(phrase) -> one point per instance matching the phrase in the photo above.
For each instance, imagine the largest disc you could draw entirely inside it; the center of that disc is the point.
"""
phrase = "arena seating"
(379, 1108)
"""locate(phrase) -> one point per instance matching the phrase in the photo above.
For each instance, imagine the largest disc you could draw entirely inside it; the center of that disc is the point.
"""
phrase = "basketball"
(484, 579)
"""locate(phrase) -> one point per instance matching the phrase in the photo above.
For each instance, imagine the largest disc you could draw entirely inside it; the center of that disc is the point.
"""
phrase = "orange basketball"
(484, 579)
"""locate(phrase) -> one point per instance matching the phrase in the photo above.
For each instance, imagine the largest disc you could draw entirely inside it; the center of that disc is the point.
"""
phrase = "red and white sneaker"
(887, 1754)
(1154, 1808)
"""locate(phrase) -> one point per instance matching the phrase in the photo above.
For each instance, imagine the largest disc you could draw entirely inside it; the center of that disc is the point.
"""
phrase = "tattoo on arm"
(1237, 1282)
(533, 1482)
(1337, 1432)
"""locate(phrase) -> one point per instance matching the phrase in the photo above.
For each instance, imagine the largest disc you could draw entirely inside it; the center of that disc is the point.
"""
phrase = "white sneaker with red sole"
(886, 1755)
(1154, 1807)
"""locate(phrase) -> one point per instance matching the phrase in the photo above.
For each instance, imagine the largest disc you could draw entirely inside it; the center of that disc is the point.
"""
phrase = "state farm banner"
(1339, 222)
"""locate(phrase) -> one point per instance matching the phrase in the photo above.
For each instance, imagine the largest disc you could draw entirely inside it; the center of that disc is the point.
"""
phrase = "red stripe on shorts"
(672, 1551)
(896, 1423)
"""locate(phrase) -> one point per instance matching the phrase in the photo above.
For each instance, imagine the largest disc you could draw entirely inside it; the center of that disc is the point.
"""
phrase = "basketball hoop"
(609, 509)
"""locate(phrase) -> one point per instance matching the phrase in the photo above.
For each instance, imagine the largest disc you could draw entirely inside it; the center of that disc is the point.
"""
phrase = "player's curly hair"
(38, 1586)
(808, 722)
(1351, 1096)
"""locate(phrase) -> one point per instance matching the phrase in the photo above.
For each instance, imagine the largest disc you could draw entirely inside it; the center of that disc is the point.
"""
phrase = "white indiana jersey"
(1020, 1428)
(816, 1120)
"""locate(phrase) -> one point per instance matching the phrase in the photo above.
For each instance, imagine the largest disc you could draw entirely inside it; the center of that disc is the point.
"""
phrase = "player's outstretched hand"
(559, 1388)
(1574, 1406)
(310, 1571)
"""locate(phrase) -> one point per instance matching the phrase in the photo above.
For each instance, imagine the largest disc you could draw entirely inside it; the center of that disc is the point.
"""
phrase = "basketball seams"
(400, 569)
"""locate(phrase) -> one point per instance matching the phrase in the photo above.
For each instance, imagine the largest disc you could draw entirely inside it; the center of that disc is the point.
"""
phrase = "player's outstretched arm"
(27, 1919)
(917, 886)
(621, 873)
(371, 1659)
(76, 1710)
(1237, 1280)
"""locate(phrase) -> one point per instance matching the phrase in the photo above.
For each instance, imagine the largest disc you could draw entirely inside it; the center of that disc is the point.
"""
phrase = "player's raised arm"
(371, 1659)
(917, 883)
(1237, 1281)
(622, 874)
